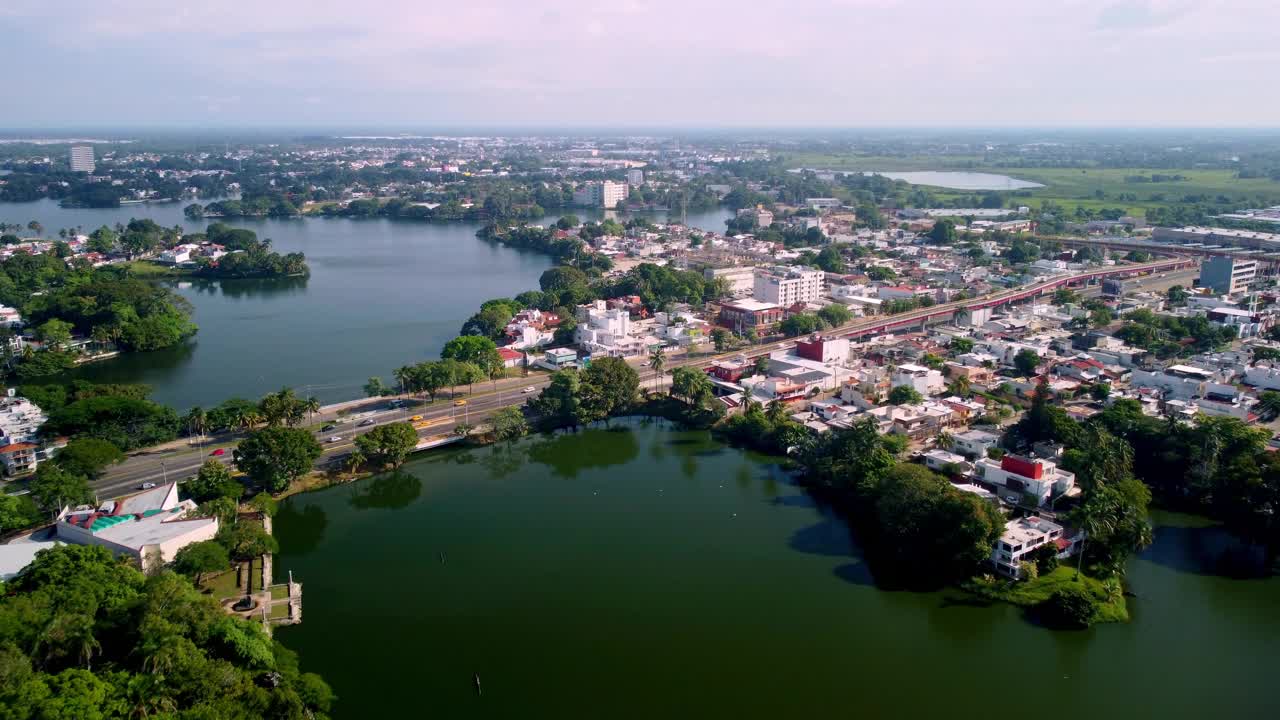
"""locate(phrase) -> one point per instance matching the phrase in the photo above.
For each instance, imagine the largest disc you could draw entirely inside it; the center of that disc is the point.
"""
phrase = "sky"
(641, 63)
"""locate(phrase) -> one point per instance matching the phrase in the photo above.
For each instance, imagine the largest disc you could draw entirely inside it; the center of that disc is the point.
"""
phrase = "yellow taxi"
(459, 403)
(415, 418)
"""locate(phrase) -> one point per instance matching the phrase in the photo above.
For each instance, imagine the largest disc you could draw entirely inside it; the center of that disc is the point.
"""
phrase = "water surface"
(647, 572)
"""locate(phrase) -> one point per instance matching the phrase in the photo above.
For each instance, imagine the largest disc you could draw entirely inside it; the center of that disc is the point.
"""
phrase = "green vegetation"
(250, 258)
(1060, 597)
(85, 635)
(276, 456)
(388, 444)
(608, 387)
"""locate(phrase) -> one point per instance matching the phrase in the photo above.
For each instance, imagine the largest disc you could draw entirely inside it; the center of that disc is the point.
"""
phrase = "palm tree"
(960, 386)
(1095, 516)
(196, 420)
(311, 405)
(250, 418)
(462, 429)
(658, 360)
(355, 460)
(776, 411)
(943, 440)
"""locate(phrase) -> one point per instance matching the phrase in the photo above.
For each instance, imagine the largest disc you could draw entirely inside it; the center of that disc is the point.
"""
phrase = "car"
(415, 418)
(335, 438)
(459, 403)
(329, 427)
(146, 486)
(529, 389)
(219, 452)
(644, 364)
(367, 422)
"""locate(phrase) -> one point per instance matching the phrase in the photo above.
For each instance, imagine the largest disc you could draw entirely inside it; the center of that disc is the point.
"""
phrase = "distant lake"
(960, 180)
(382, 293)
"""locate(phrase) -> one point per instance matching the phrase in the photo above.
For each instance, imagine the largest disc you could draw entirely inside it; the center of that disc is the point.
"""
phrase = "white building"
(81, 158)
(20, 419)
(602, 194)
(635, 178)
(1017, 475)
(1264, 375)
(742, 280)
(924, 380)
(1022, 537)
(1176, 382)
(606, 331)
(1227, 274)
(150, 526)
(974, 442)
(763, 218)
(785, 286)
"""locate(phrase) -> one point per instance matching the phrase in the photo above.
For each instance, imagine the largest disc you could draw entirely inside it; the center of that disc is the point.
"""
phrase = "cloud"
(645, 62)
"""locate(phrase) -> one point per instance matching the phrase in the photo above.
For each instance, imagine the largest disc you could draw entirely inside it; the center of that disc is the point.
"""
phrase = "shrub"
(1068, 608)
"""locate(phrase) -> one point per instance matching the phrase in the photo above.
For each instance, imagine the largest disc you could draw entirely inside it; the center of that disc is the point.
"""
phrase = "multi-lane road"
(179, 461)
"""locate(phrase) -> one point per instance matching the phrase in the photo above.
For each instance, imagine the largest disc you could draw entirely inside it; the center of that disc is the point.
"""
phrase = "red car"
(219, 451)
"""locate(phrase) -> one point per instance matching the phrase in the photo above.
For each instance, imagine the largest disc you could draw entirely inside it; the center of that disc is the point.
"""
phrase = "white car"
(146, 486)
(529, 389)
(335, 438)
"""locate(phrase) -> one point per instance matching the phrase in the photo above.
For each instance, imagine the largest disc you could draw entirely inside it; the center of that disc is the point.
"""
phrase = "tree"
(1177, 295)
(691, 385)
(245, 541)
(55, 333)
(265, 504)
(801, 324)
(388, 444)
(18, 511)
(1269, 405)
(658, 361)
(509, 423)
(830, 260)
(1027, 362)
(475, 349)
(223, 508)
(213, 481)
(54, 488)
(559, 402)
(923, 523)
(835, 315)
(943, 232)
(905, 395)
(960, 387)
(1071, 607)
(609, 386)
(276, 456)
(720, 338)
(199, 558)
(88, 456)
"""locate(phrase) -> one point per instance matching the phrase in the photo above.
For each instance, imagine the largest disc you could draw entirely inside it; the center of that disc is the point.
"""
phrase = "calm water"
(646, 572)
(960, 180)
(381, 294)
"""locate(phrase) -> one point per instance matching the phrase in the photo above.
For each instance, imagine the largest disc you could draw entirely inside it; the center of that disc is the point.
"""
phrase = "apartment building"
(1228, 275)
(1022, 537)
(601, 194)
(788, 285)
(81, 158)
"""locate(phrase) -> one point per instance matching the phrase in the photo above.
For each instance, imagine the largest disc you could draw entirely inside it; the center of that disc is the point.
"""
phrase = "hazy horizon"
(644, 64)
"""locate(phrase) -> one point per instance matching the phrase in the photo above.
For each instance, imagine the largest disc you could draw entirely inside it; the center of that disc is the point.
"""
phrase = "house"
(559, 358)
(150, 526)
(945, 462)
(823, 349)
(510, 358)
(20, 419)
(925, 381)
(18, 458)
(1023, 476)
(974, 443)
(1023, 536)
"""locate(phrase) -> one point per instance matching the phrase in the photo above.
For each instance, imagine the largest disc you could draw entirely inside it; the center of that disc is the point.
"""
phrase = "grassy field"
(1029, 593)
(148, 270)
(1070, 186)
(222, 585)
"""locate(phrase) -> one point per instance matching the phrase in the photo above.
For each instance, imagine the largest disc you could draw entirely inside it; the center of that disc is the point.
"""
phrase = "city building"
(18, 458)
(974, 443)
(559, 359)
(1218, 236)
(1227, 274)
(786, 286)
(601, 194)
(823, 349)
(1022, 537)
(924, 380)
(743, 315)
(606, 330)
(741, 279)
(762, 218)
(20, 419)
(150, 526)
(1019, 476)
(81, 158)
(635, 178)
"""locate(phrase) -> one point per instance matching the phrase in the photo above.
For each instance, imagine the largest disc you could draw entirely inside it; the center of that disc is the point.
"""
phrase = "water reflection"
(568, 454)
(299, 531)
(392, 491)
(1203, 549)
(249, 288)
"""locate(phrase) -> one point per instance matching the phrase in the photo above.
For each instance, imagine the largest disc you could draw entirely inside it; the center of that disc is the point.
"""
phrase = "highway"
(179, 461)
